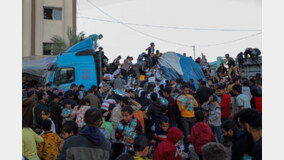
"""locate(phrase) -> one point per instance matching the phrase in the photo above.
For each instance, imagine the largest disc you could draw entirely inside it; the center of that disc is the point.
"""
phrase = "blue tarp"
(37, 67)
(176, 66)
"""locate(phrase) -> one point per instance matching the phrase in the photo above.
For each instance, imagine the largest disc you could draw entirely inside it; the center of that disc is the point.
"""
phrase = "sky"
(214, 14)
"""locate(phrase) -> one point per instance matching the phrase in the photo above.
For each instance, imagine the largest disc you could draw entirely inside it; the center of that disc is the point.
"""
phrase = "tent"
(36, 65)
(175, 66)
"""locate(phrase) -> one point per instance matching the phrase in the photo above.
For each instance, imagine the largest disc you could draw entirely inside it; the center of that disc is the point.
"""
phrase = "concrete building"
(44, 18)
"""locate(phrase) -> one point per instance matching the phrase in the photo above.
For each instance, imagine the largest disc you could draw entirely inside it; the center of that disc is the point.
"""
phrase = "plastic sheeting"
(217, 63)
(176, 66)
(37, 67)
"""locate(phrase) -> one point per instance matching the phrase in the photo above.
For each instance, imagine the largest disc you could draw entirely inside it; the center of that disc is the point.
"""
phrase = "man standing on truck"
(95, 38)
(98, 60)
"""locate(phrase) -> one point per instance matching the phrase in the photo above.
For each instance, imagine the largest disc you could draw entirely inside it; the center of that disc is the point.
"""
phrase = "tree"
(60, 45)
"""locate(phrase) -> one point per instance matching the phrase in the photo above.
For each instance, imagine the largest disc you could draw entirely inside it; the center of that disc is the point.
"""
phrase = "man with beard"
(251, 122)
(242, 143)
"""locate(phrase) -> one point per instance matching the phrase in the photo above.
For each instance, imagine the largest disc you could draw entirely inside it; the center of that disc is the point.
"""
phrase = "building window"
(47, 48)
(52, 13)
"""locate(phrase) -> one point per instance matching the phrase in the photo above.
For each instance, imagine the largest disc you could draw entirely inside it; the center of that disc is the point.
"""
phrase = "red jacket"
(201, 134)
(225, 106)
(258, 104)
(167, 149)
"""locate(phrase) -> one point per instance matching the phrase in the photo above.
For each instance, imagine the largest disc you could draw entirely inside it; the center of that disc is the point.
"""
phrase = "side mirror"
(56, 81)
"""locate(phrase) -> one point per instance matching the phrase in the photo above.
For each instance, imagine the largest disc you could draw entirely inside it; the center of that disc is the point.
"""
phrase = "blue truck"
(77, 65)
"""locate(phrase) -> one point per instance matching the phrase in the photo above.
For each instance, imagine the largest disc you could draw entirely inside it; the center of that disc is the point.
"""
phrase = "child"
(111, 107)
(49, 149)
(81, 91)
(79, 112)
(167, 150)
(176, 94)
(201, 133)
(45, 115)
(214, 116)
(107, 102)
(69, 129)
(128, 128)
(160, 133)
(141, 147)
(125, 156)
(66, 113)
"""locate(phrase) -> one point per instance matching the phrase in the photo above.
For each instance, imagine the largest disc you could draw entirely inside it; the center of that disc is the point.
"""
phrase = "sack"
(107, 125)
(142, 77)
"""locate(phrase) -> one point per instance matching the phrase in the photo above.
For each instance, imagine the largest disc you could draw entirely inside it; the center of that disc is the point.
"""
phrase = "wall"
(38, 26)
(26, 26)
(44, 29)
(51, 28)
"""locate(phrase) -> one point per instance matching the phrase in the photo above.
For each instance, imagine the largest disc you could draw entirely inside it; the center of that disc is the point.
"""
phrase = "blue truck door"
(64, 77)
(87, 76)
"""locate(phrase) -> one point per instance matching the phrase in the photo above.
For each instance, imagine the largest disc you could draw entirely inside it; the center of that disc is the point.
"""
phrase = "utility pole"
(193, 51)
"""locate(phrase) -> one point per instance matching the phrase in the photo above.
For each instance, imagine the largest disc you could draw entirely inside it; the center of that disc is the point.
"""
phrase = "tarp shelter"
(36, 65)
(176, 66)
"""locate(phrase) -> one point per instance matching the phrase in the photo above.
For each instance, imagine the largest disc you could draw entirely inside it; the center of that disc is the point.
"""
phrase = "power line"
(232, 41)
(171, 42)
(174, 27)
(78, 9)
(167, 41)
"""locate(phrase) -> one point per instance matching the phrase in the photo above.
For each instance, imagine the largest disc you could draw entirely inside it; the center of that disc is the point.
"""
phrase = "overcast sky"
(217, 14)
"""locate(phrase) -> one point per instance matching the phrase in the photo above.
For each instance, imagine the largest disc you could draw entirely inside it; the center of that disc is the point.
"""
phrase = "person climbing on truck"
(99, 65)
(95, 38)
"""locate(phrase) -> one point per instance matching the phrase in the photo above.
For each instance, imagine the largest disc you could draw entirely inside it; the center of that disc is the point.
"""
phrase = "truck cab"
(77, 65)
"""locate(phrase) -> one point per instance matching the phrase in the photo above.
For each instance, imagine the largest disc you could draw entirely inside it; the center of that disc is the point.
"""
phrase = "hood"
(203, 127)
(158, 104)
(93, 134)
(174, 135)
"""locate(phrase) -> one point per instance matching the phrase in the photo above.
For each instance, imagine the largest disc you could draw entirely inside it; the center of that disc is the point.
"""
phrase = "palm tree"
(59, 45)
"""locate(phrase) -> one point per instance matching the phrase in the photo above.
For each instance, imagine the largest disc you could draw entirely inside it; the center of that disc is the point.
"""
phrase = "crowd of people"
(135, 113)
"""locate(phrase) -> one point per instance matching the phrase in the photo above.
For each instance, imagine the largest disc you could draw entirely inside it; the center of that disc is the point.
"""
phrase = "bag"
(107, 125)
(142, 77)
